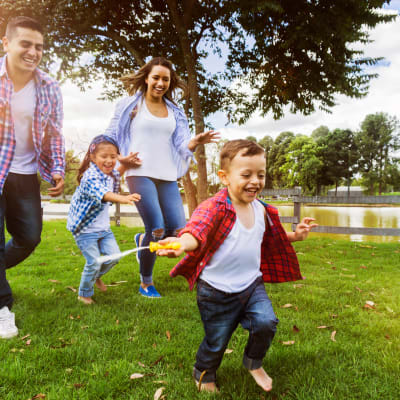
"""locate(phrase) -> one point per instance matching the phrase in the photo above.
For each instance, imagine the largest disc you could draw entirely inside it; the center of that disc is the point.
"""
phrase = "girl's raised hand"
(130, 198)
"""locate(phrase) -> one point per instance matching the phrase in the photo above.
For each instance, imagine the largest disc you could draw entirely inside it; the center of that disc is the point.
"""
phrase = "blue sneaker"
(150, 291)
(137, 240)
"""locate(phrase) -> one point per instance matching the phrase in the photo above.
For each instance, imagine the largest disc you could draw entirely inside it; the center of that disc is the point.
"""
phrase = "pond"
(358, 217)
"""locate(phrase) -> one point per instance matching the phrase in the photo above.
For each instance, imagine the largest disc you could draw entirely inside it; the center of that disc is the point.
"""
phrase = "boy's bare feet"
(100, 285)
(210, 387)
(86, 300)
(262, 378)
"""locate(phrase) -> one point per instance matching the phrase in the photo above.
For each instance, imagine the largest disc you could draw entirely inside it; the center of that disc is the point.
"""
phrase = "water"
(373, 217)
(357, 217)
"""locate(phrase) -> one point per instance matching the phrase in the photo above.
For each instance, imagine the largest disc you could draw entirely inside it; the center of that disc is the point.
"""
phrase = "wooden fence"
(298, 200)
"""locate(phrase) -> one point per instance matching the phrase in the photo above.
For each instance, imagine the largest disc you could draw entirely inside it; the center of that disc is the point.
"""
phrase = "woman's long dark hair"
(137, 81)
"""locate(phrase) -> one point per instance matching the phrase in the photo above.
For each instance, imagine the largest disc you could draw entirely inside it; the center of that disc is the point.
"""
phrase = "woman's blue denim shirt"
(119, 129)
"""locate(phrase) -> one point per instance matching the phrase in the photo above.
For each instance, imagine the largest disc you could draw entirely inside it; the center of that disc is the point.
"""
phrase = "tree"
(277, 158)
(337, 151)
(267, 142)
(302, 166)
(377, 141)
(282, 52)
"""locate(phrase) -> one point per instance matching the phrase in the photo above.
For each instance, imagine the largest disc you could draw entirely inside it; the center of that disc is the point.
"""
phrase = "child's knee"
(265, 324)
(158, 234)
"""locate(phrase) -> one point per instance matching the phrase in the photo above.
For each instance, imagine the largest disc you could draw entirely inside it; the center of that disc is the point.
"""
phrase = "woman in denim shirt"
(149, 123)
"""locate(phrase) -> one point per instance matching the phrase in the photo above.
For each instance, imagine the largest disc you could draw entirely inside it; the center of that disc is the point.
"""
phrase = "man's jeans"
(92, 246)
(221, 313)
(161, 210)
(21, 211)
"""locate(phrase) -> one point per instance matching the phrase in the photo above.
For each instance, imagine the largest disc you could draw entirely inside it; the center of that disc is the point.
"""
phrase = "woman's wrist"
(192, 144)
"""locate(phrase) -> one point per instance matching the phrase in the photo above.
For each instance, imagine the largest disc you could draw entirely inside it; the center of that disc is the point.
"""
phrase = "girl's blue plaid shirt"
(87, 201)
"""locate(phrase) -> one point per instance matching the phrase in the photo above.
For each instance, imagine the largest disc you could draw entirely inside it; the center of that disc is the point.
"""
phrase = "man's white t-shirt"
(23, 105)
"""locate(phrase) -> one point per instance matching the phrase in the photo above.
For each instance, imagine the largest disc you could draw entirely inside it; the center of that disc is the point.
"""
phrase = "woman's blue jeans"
(221, 313)
(21, 212)
(92, 246)
(161, 210)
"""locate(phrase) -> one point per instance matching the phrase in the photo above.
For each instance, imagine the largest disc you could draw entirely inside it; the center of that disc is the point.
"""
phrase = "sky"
(85, 116)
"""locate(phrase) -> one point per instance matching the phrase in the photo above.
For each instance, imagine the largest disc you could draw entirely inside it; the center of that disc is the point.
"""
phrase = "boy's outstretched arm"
(188, 243)
(302, 230)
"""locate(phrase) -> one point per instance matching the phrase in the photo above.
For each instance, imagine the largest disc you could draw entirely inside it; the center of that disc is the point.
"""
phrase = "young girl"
(88, 218)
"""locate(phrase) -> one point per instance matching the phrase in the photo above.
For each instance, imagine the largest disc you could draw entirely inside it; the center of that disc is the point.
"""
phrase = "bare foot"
(262, 378)
(210, 387)
(100, 285)
(86, 300)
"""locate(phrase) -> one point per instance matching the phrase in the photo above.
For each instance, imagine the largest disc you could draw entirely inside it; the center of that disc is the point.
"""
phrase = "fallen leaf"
(298, 285)
(387, 337)
(71, 317)
(117, 321)
(369, 307)
(389, 309)
(333, 334)
(344, 269)
(322, 327)
(141, 364)
(370, 303)
(71, 288)
(157, 361)
(295, 329)
(167, 333)
(39, 396)
(136, 376)
(333, 267)
(363, 267)
(53, 281)
(286, 306)
(28, 342)
(84, 327)
(106, 373)
(78, 385)
(26, 336)
(228, 351)
(357, 288)
(154, 345)
(43, 263)
(69, 370)
(163, 382)
(334, 316)
(158, 393)
(288, 343)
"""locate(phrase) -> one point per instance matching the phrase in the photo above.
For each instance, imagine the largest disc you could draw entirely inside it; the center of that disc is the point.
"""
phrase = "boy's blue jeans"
(21, 211)
(161, 210)
(221, 313)
(92, 246)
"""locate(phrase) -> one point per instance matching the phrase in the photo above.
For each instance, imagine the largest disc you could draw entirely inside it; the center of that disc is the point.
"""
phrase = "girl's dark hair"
(135, 82)
(100, 139)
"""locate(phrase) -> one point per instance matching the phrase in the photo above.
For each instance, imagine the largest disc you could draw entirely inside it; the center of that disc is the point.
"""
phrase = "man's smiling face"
(24, 50)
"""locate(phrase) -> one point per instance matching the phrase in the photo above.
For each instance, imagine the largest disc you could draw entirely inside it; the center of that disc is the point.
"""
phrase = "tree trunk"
(190, 192)
(194, 96)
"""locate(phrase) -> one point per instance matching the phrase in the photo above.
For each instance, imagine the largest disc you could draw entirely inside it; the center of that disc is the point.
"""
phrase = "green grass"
(89, 352)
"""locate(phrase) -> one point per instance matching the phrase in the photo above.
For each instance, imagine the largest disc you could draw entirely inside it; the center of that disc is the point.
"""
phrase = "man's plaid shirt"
(87, 201)
(211, 223)
(46, 127)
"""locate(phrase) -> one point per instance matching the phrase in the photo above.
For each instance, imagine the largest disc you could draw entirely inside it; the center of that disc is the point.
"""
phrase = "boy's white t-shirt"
(22, 110)
(151, 137)
(102, 221)
(236, 263)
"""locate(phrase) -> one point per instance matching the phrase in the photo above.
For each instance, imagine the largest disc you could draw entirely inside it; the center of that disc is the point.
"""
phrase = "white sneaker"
(7, 324)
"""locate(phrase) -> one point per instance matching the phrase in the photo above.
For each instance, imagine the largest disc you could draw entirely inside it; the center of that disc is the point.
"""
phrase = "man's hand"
(59, 186)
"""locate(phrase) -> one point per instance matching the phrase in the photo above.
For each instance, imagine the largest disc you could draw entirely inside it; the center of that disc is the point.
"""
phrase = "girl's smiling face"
(105, 157)
(158, 81)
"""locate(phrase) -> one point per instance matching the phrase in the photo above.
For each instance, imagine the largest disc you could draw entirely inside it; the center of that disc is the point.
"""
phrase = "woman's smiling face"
(158, 81)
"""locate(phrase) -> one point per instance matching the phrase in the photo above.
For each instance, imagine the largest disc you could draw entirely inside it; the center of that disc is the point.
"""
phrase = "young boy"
(235, 243)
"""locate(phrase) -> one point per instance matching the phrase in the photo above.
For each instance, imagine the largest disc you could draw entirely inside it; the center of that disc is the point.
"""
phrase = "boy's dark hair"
(22, 22)
(231, 148)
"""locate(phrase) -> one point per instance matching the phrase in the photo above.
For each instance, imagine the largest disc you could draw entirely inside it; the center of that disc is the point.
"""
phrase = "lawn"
(330, 344)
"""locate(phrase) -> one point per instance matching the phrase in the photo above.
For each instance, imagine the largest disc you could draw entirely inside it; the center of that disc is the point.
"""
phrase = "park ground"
(338, 336)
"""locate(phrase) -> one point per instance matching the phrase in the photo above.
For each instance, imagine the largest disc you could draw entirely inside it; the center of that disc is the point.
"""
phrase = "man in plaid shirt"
(30, 141)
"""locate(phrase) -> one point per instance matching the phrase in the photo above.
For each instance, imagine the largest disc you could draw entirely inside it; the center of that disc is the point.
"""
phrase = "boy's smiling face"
(244, 177)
